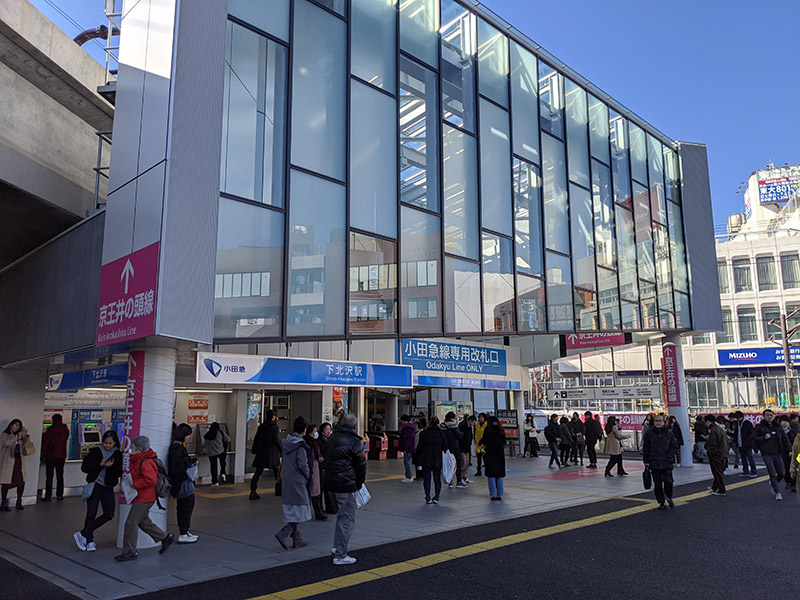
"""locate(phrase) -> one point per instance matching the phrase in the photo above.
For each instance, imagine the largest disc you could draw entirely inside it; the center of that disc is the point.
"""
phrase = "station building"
(374, 206)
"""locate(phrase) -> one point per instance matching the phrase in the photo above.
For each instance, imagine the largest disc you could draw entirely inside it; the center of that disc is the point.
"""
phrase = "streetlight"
(786, 335)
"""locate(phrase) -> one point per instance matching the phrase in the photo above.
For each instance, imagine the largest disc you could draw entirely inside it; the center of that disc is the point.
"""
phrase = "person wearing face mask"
(328, 498)
(314, 460)
(103, 468)
(772, 443)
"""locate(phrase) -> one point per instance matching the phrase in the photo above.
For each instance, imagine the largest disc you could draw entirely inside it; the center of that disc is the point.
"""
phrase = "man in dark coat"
(594, 433)
(465, 446)
(453, 436)
(772, 443)
(746, 442)
(717, 451)
(346, 471)
(658, 452)
(267, 449)
(54, 454)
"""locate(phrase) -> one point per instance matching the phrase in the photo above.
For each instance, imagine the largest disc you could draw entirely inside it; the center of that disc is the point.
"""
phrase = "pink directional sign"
(128, 297)
(579, 341)
(669, 373)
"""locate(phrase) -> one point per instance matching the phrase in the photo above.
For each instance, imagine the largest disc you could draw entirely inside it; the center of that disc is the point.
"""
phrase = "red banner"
(133, 410)
(669, 373)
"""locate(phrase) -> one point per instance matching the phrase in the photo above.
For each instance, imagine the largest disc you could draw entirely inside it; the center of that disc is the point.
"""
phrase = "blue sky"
(720, 72)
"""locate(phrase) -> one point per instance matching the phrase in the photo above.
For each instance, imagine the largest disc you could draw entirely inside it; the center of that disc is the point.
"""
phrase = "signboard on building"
(772, 189)
(669, 375)
(128, 297)
(628, 421)
(581, 341)
(244, 368)
(508, 421)
(632, 392)
(426, 355)
(756, 356)
(198, 409)
(76, 380)
(133, 410)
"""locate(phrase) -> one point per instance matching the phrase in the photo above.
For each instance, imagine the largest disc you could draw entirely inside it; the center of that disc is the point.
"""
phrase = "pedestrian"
(432, 445)
(700, 436)
(772, 443)
(328, 497)
(216, 442)
(267, 449)
(567, 439)
(594, 433)
(407, 444)
(552, 435)
(614, 447)
(647, 423)
(54, 455)
(746, 445)
(717, 452)
(346, 473)
(182, 471)
(659, 447)
(732, 431)
(103, 468)
(143, 477)
(465, 447)
(296, 476)
(453, 436)
(578, 430)
(675, 428)
(494, 440)
(480, 426)
(795, 465)
(787, 457)
(314, 461)
(531, 442)
(422, 424)
(15, 444)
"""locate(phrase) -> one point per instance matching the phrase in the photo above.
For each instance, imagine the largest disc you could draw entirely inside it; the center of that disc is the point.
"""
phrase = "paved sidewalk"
(237, 535)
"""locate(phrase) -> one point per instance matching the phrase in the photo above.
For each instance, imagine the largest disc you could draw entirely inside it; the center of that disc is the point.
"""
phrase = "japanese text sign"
(669, 373)
(453, 358)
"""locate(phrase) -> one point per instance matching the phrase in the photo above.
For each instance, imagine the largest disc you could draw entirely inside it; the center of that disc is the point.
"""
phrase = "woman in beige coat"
(12, 473)
(614, 447)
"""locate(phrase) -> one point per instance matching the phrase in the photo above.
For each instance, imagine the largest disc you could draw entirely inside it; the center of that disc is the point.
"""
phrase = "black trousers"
(565, 450)
(662, 483)
(717, 467)
(480, 462)
(591, 450)
(616, 459)
(51, 465)
(184, 507)
(217, 461)
(102, 495)
(257, 476)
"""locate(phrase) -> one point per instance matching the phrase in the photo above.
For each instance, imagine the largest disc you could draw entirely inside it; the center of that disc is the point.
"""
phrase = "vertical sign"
(133, 410)
(669, 372)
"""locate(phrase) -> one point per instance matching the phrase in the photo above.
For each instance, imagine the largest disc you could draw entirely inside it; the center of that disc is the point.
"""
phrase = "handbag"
(581, 439)
(187, 489)
(28, 448)
(362, 496)
(647, 478)
(87, 490)
(191, 473)
(448, 466)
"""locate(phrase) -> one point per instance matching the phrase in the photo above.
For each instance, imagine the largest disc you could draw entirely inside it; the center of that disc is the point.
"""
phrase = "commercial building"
(375, 206)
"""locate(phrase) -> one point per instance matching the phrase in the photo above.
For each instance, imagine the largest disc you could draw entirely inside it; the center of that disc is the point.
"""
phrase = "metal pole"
(787, 359)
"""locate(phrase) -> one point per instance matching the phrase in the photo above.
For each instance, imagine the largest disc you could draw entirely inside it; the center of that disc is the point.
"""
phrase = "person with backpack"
(216, 443)
(180, 467)
(147, 473)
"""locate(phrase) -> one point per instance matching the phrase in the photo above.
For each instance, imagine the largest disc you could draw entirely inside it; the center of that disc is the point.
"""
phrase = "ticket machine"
(89, 437)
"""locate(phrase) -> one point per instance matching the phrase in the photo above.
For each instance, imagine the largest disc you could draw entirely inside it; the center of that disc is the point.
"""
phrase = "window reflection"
(492, 63)
(419, 24)
(631, 316)
(531, 304)
(620, 164)
(608, 299)
(603, 216)
(559, 292)
(528, 218)
(577, 138)
(554, 193)
(272, 17)
(373, 285)
(525, 100)
(460, 193)
(626, 257)
(372, 36)
(672, 175)
(459, 41)
(419, 136)
(551, 100)
(649, 314)
(598, 128)
(498, 284)
(680, 274)
(463, 295)
(495, 176)
(586, 310)
(581, 222)
(683, 317)
(638, 154)
(421, 246)
(644, 232)
(655, 168)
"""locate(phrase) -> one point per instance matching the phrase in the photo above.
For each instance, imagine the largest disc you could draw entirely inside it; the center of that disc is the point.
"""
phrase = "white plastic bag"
(362, 496)
(128, 489)
(448, 466)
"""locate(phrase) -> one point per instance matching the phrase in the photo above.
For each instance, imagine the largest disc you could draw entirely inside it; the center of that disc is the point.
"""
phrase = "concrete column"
(240, 436)
(155, 416)
(392, 418)
(327, 405)
(22, 393)
(358, 405)
(682, 412)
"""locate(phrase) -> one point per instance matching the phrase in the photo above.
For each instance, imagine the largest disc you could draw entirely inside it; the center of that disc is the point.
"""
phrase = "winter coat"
(747, 435)
(577, 427)
(594, 431)
(529, 429)
(614, 442)
(408, 438)
(794, 466)
(91, 466)
(479, 429)
(346, 464)
(494, 460)
(178, 460)
(144, 474)
(552, 432)
(717, 442)
(453, 435)
(217, 445)
(9, 441)
(465, 443)
(295, 473)
(267, 446)
(776, 445)
(700, 431)
(676, 431)
(659, 448)
(565, 434)
(54, 441)
(432, 443)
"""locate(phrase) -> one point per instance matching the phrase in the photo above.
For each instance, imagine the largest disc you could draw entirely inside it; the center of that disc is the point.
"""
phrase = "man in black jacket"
(772, 443)
(746, 442)
(345, 473)
(658, 452)
(594, 433)
(465, 446)
(267, 448)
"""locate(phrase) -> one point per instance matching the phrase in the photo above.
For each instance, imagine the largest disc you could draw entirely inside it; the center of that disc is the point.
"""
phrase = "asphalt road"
(743, 545)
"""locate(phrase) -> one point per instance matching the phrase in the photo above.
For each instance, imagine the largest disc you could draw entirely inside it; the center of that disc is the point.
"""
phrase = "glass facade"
(412, 167)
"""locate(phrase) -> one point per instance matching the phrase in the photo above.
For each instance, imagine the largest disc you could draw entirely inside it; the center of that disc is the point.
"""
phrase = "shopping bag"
(647, 478)
(87, 490)
(362, 496)
(28, 448)
(191, 473)
(129, 491)
(448, 466)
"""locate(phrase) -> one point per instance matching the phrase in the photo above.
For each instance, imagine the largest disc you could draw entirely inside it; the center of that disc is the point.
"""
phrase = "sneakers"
(428, 501)
(406, 480)
(716, 493)
(166, 543)
(125, 556)
(80, 541)
(254, 495)
(551, 466)
(435, 501)
(187, 538)
(662, 507)
(753, 474)
(468, 481)
(451, 485)
(345, 560)
(215, 485)
(91, 547)
(744, 474)
(671, 503)
(461, 485)
(778, 496)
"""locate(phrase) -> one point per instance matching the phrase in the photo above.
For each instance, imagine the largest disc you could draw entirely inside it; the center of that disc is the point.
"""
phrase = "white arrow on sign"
(127, 273)
(572, 337)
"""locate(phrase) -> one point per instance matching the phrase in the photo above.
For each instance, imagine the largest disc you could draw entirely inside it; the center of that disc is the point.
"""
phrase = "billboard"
(778, 185)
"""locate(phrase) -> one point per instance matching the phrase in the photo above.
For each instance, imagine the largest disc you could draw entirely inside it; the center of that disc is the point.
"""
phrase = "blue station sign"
(76, 380)
(426, 355)
(756, 356)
